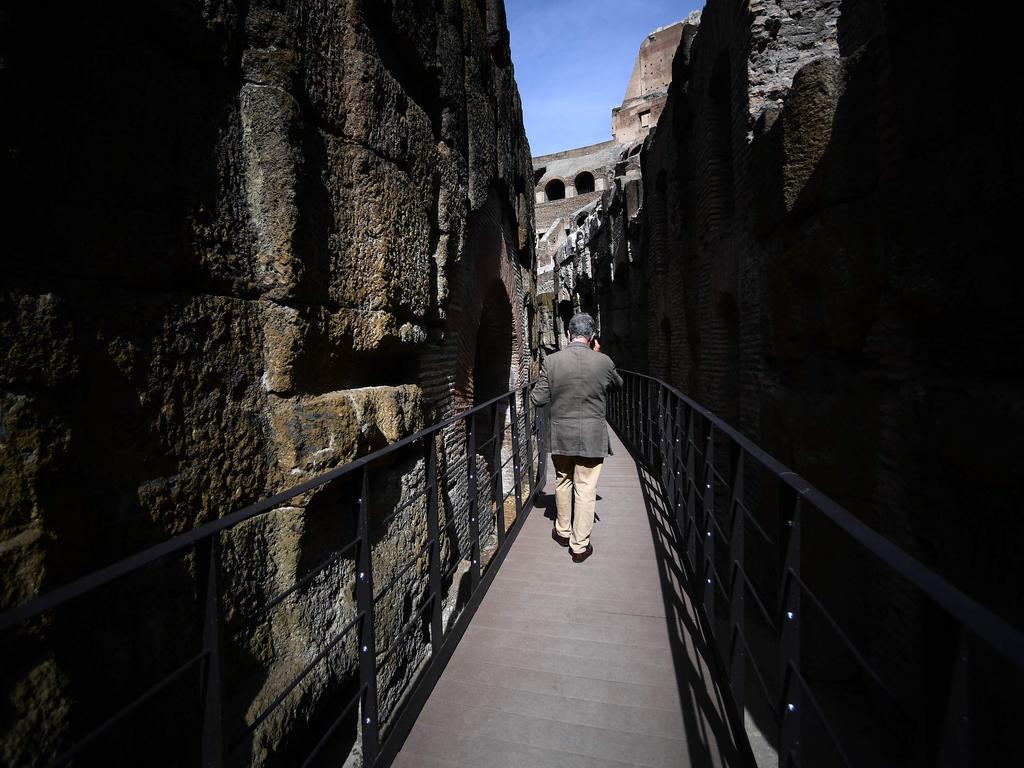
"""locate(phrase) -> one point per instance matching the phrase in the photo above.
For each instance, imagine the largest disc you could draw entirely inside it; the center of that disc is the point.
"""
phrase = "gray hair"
(582, 325)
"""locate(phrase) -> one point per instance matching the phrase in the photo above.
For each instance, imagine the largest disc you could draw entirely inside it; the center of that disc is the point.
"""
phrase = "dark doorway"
(584, 183)
(493, 361)
(555, 190)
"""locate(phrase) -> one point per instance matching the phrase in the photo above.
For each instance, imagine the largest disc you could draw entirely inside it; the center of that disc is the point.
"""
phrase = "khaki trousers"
(576, 478)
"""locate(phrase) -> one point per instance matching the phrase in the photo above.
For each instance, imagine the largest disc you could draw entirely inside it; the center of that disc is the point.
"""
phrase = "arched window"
(584, 182)
(555, 190)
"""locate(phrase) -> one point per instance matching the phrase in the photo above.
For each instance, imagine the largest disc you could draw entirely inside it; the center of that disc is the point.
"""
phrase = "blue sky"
(573, 59)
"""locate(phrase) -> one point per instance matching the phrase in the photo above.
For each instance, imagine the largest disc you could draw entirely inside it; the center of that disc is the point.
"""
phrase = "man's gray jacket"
(574, 381)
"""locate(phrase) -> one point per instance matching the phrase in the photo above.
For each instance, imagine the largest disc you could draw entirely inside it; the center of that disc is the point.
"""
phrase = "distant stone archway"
(554, 190)
(584, 182)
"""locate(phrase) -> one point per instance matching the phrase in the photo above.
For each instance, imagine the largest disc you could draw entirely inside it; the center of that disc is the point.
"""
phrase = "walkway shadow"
(710, 738)
(546, 502)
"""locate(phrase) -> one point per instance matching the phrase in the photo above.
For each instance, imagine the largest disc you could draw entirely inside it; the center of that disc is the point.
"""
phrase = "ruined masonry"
(250, 243)
(587, 203)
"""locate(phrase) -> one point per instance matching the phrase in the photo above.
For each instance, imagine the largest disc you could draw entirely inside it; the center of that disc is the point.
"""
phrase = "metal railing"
(515, 432)
(716, 485)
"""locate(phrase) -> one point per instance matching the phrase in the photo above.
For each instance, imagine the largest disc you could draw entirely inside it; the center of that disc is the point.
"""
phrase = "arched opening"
(584, 182)
(493, 361)
(555, 190)
(565, 313)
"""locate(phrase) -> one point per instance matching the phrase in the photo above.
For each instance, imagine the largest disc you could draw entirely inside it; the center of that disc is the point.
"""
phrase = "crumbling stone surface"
(242, 253)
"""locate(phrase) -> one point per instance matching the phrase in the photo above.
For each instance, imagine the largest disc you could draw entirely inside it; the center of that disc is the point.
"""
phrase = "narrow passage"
(589, 665)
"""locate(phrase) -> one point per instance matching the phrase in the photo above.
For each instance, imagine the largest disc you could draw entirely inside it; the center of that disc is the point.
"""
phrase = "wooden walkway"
(590, 665)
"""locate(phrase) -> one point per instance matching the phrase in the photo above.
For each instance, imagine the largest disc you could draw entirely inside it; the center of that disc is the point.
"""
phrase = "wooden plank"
(636, 720)
(479, 751)
(544, 733)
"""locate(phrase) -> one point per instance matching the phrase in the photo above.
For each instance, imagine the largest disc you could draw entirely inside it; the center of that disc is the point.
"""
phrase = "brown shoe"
(579, 557)
(562, 540)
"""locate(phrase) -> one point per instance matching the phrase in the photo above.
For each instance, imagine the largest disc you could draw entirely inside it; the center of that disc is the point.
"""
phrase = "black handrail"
(676, 439)
(518, 436)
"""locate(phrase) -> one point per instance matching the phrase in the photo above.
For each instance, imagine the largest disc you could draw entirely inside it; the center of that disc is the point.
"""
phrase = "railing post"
(529, 441)
(434, 532)
(499, 504)
(639, 416)
(624, 400)
(662, 421)
(956, 746)
(647, 419)
(678, 462)
(737, 590)
(708, 526)
(213, 683)
(636, 411)
(690, 529)
(516, 464)
(540, 415)
(474, 512)
(652, 405)
(790, 692)
(628, 408)
(668, 467)
(367, 635)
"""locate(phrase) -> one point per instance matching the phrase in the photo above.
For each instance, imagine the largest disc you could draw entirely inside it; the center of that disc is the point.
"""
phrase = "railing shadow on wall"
(466, 520)
(744, 525)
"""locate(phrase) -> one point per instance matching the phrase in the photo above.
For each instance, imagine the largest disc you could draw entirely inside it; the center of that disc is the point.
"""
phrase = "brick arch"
(491, 278)
(584, 182)
(554, 189)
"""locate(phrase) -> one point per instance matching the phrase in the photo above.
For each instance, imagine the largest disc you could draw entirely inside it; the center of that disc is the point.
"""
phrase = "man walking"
(574, 381)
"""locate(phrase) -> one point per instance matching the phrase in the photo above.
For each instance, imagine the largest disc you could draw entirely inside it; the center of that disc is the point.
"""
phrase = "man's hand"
(595, 344)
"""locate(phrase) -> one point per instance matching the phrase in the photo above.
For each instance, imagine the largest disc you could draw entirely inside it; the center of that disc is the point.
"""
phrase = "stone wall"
(248, 243)
(827, 214)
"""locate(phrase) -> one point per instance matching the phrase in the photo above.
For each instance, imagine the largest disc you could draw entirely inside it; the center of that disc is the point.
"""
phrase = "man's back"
(574, 381)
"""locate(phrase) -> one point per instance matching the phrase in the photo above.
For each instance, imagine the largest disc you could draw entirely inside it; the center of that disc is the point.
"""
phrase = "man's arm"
(541, 394)
(614, 380)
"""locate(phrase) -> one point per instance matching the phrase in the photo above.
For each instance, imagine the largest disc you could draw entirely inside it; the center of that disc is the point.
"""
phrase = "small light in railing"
(365, 649)
(791, 707)
(367, 721)
(362, 575)
(709, 534)
(709, 581)
(790, 615)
